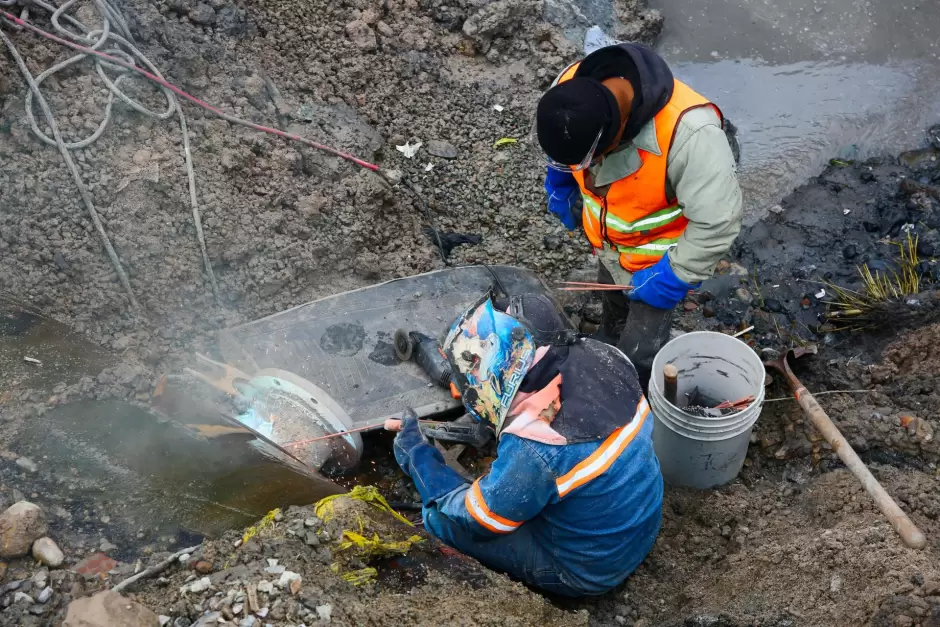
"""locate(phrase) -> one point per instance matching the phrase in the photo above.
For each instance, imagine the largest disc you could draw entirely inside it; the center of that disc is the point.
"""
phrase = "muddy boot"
(615, 305)
(645, 332)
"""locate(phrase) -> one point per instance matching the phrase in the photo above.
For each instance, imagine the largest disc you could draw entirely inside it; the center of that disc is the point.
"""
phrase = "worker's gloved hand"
(422, 462)
(658, 286)
(407, 440)
(564, 197)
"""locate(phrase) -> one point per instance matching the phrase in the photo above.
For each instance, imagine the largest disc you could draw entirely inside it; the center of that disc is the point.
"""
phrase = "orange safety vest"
(634, 216)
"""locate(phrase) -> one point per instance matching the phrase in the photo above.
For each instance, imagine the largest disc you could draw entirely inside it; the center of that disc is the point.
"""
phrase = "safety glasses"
(585, 163)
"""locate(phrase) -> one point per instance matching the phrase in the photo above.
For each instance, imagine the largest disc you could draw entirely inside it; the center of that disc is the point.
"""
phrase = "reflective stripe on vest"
(652, 221)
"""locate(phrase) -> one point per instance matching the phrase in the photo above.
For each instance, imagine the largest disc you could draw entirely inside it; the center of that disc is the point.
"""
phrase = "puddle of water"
(65, 356)
(150, 476)
(794, 118)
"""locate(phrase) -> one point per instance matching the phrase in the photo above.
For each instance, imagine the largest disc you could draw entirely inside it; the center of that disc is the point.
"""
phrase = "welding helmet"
(490, 353)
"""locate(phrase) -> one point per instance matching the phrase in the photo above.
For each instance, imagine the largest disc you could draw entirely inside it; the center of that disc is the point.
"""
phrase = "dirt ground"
(794, 541)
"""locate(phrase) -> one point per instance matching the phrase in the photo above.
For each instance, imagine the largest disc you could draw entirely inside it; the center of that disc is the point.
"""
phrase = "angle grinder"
(426, 353)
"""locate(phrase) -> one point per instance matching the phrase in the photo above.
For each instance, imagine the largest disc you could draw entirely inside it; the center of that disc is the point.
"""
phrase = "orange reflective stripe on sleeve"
(482, 514)
(601, 459)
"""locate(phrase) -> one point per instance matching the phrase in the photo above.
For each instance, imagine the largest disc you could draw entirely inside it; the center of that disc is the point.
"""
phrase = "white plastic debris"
(429, 167)
(325, 612)
(200, 585)
(163, 619)
(498, 108)
(907, 228)
(286, 578)
(821, 293)
(32, 360)
(262, 612)
(846, 212)
(409, 149)
(184, 558)
(275, 570)
(272, 562)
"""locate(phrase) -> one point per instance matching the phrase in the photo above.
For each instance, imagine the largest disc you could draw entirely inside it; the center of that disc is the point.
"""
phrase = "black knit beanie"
(569, 116)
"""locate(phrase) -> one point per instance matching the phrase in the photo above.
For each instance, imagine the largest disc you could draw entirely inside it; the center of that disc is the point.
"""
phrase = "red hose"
(179, 92)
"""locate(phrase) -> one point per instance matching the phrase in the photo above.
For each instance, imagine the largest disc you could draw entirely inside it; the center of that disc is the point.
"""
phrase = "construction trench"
(294, 268)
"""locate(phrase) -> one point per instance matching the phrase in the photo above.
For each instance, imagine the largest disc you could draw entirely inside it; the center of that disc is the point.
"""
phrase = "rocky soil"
(284, 224)
(794, 541)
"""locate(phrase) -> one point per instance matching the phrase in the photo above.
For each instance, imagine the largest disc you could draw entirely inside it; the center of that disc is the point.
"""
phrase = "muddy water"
(112, 470)
(38, 353)
(808, 80)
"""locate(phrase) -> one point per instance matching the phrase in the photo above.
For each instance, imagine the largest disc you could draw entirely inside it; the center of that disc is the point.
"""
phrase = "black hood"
(648, 73)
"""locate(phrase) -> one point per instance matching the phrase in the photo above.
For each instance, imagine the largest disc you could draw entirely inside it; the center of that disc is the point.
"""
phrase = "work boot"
(646, 331)
(615, 308)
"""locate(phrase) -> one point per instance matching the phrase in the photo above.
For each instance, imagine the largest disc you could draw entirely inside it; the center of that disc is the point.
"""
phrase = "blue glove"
(422, 462)
(564, 197)
(658, 286)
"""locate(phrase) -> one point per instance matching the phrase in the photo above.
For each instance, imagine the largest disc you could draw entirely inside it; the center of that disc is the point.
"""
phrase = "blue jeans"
(519, 554)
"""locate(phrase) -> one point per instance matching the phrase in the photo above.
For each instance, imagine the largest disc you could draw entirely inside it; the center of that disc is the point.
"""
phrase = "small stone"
(773, 305)
(442, 149)
(931, 588)
(184, 558)
(27, 464)
(835, 584)
(44, 595)
(22, 597)
(689, 305)
(200, 585)
(286, 578)
(312, 522)
(867, 176)
(265, 586)
(263, 612)
(20, 525)
(106, 546)
(202, 14)
(311, 539)
(275, 570)
(203, 567)
(47, 552)
(384, 29)
(163, 620)
(917, 579)
(325, 612)
(40, 578)
(708, 311)
(361, 36)
(237, 608)
(552, 242)
(142, 157)
(248, 621)
(743, 295)
(850, 252)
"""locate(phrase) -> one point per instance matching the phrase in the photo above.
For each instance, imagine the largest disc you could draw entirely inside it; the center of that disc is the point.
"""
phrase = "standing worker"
(643, 164)
(572, 503)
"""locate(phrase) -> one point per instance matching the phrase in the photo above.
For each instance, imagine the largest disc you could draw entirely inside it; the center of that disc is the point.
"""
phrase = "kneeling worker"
(643, 164)
(573, 501)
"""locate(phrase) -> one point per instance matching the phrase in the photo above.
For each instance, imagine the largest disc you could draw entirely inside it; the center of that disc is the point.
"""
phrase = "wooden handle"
(670, 383)
(910, 534)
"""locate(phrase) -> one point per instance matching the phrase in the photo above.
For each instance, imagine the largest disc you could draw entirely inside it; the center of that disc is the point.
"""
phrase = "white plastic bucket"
(704, 451)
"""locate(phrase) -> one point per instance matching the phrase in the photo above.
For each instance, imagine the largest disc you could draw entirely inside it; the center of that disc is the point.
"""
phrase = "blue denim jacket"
(594, 507)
